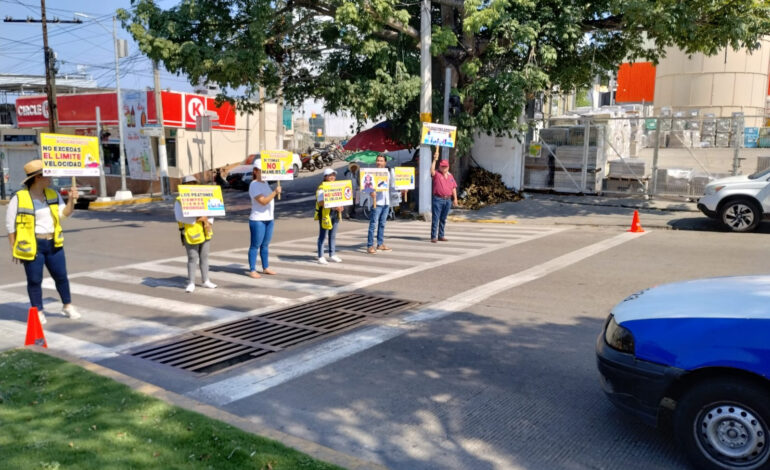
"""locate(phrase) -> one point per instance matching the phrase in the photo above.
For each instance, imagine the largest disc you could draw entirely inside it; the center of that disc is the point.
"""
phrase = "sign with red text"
(201, 200)
(276, 165)
(337, 193)
(69, 155)
(374, 179)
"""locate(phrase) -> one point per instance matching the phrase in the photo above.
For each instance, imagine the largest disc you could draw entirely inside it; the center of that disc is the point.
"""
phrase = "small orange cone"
(636, 227)
(35, 334)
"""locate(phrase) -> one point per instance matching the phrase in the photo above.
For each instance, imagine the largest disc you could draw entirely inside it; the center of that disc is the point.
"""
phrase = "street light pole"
(124, 193)
(425, 109)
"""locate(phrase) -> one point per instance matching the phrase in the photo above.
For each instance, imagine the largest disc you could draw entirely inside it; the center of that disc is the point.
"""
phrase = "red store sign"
(179, 110)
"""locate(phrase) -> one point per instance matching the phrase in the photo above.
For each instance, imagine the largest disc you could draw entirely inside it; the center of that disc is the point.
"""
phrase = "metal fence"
(674, 155)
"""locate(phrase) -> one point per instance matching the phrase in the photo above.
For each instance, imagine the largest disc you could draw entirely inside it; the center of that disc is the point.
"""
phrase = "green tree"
(362, 56)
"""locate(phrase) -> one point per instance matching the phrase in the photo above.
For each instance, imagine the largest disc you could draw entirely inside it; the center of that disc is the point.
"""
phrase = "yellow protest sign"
(276, 165)
(69, 155)
(201, 200)
(374, 179)
(337, 193)
(438, 134)
(404, 177)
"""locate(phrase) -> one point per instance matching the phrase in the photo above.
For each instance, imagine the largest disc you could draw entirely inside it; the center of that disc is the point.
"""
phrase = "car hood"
(240, 169)
(730, 180)
(720, 297)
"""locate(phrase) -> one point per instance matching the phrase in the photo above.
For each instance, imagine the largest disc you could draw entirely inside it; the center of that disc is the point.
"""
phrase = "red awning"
(377, 138)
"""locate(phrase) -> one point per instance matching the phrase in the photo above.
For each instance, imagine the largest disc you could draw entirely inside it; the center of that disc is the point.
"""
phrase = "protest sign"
(438, 134)
(276, 165)
(337, 193)
(404, 177)
(374, 179)
(69, 155)
(201, 200)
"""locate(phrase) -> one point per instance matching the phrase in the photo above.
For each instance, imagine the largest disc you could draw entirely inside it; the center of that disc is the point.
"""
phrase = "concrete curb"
(310, 448)
(98, 205)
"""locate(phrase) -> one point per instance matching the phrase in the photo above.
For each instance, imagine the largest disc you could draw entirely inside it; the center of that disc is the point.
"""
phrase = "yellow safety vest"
(194, 234)
(25, 246)
(325, 213)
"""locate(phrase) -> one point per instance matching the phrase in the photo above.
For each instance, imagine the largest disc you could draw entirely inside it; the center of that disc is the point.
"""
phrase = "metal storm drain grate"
(213, 349)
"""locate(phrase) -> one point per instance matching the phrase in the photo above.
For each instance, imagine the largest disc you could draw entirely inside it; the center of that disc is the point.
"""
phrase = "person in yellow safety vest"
(196, 232)
(33, 221)
(328, 220)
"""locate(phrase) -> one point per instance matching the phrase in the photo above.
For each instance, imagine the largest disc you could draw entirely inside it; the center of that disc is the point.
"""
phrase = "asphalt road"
(494, 369)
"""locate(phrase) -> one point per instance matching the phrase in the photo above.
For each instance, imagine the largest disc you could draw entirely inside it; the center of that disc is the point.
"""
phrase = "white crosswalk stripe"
(112, 299)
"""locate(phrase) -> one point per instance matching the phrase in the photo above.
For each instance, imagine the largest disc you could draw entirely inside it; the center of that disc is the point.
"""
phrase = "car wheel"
(723, 424)
(367, 208)
(296, 171)
(740, 215)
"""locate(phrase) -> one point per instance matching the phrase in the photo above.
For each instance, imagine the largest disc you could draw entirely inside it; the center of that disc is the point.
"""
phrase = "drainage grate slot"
(251, 338)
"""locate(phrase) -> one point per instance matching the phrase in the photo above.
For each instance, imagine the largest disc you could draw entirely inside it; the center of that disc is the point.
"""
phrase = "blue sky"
(85, 47)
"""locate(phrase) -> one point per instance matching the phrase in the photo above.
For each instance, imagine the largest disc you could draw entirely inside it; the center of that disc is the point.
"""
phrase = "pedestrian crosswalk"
(143, 302)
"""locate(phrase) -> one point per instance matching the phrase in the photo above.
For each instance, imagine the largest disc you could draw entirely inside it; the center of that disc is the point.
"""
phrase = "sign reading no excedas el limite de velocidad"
(69, 155)
(201, 200)
(337, 193)
(438, 134)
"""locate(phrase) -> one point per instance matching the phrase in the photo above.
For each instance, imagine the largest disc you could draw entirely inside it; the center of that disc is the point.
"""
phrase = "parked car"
(86, 192)
(739, 202)
(240, 176)
(695, 356)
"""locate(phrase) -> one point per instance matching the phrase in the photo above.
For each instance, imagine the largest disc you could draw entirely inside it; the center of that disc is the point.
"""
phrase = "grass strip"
(56, 415)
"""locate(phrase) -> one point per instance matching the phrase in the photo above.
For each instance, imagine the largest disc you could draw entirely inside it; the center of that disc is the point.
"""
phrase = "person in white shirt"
(196, 234)
(35, 234)
(260, 220)
(379, 215)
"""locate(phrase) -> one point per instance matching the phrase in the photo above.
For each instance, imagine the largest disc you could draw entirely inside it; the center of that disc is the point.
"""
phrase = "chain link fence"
(671, 155)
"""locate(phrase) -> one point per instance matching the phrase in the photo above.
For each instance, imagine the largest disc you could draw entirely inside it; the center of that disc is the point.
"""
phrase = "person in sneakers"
(379, 215)
(328, 220)
(444, 197)
(34, 228)
(196, 233)
(260, 220)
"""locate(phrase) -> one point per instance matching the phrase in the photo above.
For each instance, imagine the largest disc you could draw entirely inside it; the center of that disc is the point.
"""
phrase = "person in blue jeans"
(379, 214)
(444, 197)
(328, 221)
(260, 220)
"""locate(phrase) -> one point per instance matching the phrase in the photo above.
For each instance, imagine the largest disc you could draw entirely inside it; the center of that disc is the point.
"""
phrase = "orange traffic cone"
(34, 330)
(636, 227)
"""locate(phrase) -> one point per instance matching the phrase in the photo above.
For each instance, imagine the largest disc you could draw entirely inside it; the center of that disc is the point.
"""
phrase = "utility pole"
(165, 190)
(425, 109)
(50, 66)
(262, 109)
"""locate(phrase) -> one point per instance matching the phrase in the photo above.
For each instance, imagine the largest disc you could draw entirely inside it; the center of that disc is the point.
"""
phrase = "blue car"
(695, 355)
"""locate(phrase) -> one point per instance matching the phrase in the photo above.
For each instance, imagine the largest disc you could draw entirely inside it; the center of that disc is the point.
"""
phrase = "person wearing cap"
(34, 228)
(328, 220)
(196, 232)
(379, 214)
(444, 197)
(261, 220)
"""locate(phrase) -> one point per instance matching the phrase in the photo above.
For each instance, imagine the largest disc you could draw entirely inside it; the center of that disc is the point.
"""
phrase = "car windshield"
(759, 174)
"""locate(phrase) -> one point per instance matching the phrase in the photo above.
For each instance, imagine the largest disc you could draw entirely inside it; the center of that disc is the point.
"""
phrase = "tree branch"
(610, 23)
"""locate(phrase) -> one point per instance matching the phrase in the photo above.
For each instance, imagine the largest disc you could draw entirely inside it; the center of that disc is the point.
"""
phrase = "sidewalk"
(542, 209)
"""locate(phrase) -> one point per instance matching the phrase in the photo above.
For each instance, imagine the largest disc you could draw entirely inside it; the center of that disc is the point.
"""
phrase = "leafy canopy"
(362, 56)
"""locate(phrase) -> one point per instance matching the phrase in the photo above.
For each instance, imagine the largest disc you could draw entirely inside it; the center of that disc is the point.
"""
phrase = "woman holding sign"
(260, 220)
(196, 233)
(328, 220)
(34, 228)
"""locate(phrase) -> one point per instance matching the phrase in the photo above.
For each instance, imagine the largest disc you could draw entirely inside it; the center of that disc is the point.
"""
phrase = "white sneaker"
(322, 260)
(41, 316)
(209, 285)
(336, 259)
(190, 288)
(70, 311)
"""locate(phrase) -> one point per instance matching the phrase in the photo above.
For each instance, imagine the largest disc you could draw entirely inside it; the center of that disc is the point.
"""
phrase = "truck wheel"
(722, 424)
(740, 215)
